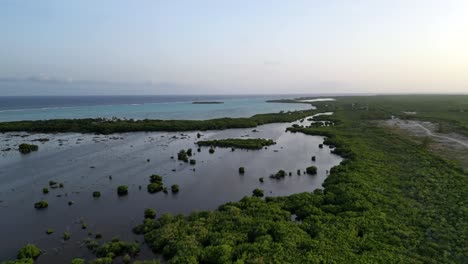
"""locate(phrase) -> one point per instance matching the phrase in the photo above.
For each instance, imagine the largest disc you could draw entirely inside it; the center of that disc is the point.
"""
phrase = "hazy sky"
(234, 46)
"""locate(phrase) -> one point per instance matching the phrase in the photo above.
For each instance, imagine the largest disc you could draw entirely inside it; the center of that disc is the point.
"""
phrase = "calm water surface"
(138, 107)
(84, 162)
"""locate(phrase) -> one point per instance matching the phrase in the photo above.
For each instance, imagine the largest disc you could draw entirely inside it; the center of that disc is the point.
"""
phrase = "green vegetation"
(66, 236)
(26, 255)
(241, 170)
(96, 194)
(45, 190)
(182, 155)
(175, 188)
(193, 162)
(154, 187)
(261, 179)
(122, 190)
(279, 175)
(154, 261)
(156, 178)
(312, 170)
(250, 143)
(189, 152)
(150, 213)
(106, 252)
(50, 231)
(211, 150)
(108, 126)
(30, 251)
(390, 201)
(156, 184)
(257, 193)
(41, 204)
(25, 148)
(78, 261)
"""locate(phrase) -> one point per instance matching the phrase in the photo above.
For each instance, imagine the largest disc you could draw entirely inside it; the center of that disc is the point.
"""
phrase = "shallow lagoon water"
(139, 107)
(84, 162)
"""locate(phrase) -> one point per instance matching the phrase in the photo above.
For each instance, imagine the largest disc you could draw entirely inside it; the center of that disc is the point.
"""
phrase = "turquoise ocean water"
(139, 107)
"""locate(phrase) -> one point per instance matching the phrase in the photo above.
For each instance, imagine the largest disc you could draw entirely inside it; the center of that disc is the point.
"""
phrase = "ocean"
(17, 108)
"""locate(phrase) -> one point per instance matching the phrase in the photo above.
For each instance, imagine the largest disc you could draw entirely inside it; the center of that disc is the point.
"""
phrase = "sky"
(81, 47)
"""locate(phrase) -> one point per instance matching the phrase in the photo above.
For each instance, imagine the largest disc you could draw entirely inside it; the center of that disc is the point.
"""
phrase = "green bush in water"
(154, 187)
(30, 251)
(41, 205)
(25, 148)
(312, 170)
(175, 188)
(150, 213)
(155, 178)
(122, 190)
(279, 175)
(182, 155)
(257, 193)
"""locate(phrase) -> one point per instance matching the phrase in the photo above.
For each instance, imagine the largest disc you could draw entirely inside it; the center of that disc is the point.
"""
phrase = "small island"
(207, 102)
(250, 143)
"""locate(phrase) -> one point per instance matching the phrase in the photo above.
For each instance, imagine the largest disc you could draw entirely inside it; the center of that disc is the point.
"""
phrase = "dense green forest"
(389, 201)
(248, 143)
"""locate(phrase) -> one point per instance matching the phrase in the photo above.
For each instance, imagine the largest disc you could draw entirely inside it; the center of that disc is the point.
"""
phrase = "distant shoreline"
(207, 102)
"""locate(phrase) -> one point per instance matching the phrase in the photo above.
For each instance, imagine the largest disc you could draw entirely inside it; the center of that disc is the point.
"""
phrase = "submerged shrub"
(30, 251)
(154, 187)
(257, 193)
(211, 150)
(175, 188)
(193, 162)
(45, 190)
(96, 194)
(150, 213)
(279, 175)
(189, 152)
(182, 155)
(320, 145)
(122, 190)
(155, 178)
(41, 205)
(66, 236)
(241, 170)
(49, 231)
(25, 148)
(312, 170)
